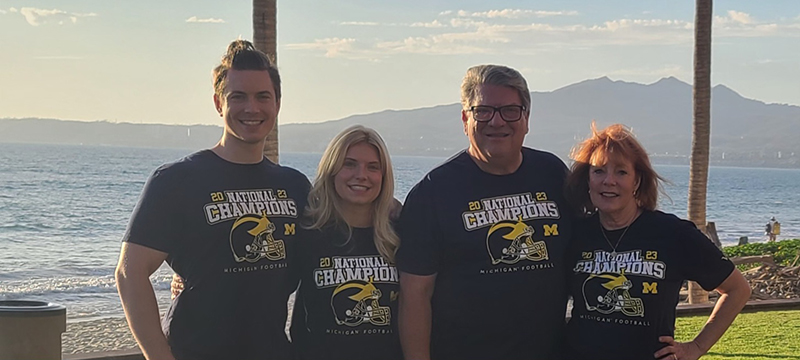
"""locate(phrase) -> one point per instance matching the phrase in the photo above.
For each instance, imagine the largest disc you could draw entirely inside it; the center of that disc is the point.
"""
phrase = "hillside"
(745, 132)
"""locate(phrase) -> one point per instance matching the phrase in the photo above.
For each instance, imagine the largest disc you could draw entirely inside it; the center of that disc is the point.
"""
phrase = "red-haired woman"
(629, 260)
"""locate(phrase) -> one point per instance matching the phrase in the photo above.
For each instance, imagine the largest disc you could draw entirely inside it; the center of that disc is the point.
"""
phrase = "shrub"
(784, 251)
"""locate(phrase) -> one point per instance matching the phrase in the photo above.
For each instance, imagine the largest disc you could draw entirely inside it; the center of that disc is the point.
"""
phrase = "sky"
(149, 61)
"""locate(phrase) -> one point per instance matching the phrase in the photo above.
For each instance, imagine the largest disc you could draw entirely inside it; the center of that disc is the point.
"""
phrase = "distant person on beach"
(773, 229)
(629, 260)
(483, 237)
(768, 231)
(347, 304)
(225, 220)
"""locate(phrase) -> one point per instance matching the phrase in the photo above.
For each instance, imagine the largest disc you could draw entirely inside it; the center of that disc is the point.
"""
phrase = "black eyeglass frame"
(496, 110)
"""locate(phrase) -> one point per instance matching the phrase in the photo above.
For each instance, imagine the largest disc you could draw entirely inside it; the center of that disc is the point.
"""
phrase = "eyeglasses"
(509, 113)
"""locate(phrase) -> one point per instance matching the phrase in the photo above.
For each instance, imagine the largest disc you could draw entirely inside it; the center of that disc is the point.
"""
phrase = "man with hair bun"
(224, 219)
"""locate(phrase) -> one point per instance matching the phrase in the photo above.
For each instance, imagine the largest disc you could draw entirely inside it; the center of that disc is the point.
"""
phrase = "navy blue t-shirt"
(228, 230)
(346, 307)
(496, 244)
(624, 299)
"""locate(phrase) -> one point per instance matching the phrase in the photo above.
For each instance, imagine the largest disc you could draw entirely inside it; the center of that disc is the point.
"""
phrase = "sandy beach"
(109, 334)
(106, 334)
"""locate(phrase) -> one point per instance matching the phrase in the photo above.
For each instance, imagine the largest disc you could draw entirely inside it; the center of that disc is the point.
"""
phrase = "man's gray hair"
(493, 75)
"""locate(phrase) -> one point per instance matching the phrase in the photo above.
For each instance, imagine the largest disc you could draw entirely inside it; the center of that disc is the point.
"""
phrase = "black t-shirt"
(496, 244)
(622, 304)
(227, 229)
(346, 307)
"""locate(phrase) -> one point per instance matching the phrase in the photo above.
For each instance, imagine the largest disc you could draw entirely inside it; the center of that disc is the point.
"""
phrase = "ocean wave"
(67, 226)
(20, 227)
(85, 285)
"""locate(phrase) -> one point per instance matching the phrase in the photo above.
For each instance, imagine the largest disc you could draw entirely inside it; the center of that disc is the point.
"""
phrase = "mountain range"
(744, 132)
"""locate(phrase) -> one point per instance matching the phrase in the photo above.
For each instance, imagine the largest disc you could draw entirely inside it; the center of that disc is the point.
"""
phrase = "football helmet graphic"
(357, 301)
(251, 240)
(608, 292)
(510, 242)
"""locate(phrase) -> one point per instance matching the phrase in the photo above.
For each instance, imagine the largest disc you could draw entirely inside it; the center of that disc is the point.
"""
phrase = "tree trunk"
(701, 127)
(265, 38)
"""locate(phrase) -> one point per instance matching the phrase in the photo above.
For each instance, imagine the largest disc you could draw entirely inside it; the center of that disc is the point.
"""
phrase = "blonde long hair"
(324, 204)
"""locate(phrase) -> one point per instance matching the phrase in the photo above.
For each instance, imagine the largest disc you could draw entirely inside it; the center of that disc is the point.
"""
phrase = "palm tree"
(265, 38)
(701, 128)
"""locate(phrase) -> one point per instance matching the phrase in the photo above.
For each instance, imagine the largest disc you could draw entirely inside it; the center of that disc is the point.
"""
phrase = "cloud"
(195, 19)
(742, 25)
(443, 44)
(432, 24)
(333, 47)
(515, 13)
(555, 13)
(469, 36)
(624, 24)
(36, 17)
(430, 46)
(740, 17)
(463, 33)
(359, 23)
(3, 12)
(466, 23)
(33, 15)
(734, 18)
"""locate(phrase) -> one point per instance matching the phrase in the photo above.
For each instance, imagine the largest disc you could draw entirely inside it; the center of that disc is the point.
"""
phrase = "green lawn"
(767, 335)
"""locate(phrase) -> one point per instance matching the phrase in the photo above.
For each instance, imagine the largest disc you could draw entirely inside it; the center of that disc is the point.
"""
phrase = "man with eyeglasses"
(483, 237)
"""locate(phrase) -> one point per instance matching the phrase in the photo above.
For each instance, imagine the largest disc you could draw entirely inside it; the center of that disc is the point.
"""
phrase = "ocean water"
(63, 210)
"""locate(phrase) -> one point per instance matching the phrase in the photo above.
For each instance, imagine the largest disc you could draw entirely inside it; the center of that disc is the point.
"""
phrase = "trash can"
(31, 330)
(743, 240)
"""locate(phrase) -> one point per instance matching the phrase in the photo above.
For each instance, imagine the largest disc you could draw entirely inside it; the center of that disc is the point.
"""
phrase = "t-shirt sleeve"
(419, 251)
(155, 220)
(703, 262)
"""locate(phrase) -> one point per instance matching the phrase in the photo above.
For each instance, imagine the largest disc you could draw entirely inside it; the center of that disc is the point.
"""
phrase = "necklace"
(614, 247)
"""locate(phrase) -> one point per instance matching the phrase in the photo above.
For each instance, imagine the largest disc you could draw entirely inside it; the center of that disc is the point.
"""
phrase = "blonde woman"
(347, 301)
